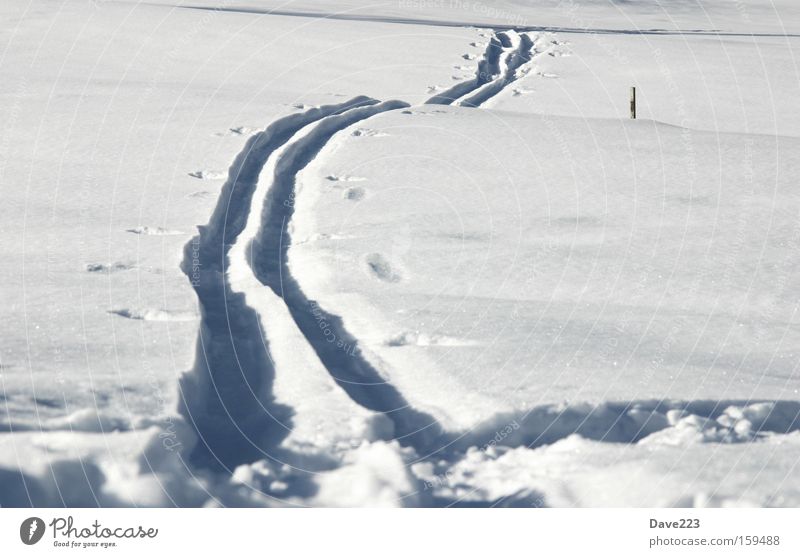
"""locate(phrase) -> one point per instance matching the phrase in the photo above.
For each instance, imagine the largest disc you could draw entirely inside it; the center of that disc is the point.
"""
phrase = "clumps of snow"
(115, 267)
(88, 420)
(736, 424)
(380, 268)
(646, 422)
(152, 314)
(256, 472)
(576, 471)
(493, 476)
(209, 174)
(498, 478)
(373, 475)
(263, 483)
(154, 231)
(74, 461)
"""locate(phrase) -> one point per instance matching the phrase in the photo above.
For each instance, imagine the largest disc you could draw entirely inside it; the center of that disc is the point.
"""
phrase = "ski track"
(505, 53)
(511, 62)
(227, 395)
(269, 261)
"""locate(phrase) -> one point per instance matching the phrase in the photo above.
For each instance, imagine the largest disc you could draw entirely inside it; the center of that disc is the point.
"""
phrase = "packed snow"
(405, 254)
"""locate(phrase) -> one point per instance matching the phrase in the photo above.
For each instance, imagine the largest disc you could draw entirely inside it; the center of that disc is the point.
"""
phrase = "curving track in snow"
(228, 396)
(277, 377)
(505, 54)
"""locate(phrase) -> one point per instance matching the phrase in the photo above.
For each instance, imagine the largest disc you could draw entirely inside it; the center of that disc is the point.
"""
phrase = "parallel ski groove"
(497, 68)
(268, 255)
(226, 397)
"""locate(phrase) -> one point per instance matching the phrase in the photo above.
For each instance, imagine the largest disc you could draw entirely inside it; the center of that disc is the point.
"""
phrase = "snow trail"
(335, 347)
(226, 396)
(251, 336)
(511, 63)
(505, 53)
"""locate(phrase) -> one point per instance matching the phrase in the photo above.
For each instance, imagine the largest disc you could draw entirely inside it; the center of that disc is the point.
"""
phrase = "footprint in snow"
(468, 56)
(239, 130)
(381, 269)
(115, 267)
(243, 130)
(366, 132)
(322, 237)
(209, 174)
(462, 68)
(150, 314)
(354, 194)
(434, 88)
(153, 231)
(519, 91)
(417, 338)
(477, 44)
(344, 178)
(203, 194)
(427, 113)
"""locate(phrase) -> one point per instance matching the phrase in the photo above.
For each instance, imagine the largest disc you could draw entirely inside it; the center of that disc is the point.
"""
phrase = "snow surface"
(436, 264)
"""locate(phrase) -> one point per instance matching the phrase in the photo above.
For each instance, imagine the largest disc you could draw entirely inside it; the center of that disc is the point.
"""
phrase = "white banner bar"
(404, 532)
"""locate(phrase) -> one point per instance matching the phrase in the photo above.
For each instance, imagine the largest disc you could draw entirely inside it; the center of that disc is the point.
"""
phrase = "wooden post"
(633, 103)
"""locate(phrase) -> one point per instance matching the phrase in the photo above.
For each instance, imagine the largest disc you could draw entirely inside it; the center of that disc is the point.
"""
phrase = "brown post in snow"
(633, 103)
